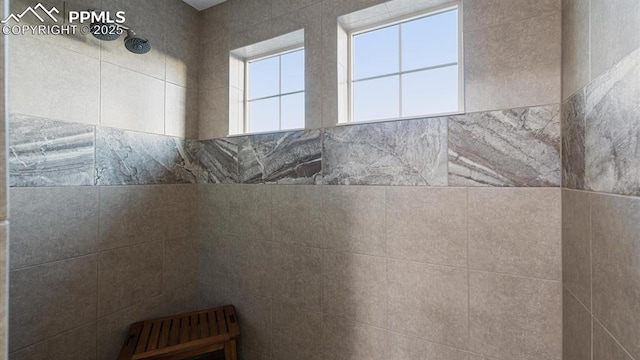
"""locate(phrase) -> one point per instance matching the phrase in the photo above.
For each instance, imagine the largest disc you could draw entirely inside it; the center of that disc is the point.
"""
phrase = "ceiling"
(203, 4)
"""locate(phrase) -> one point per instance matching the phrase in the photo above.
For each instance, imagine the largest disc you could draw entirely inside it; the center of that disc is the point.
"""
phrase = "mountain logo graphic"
(34, 11)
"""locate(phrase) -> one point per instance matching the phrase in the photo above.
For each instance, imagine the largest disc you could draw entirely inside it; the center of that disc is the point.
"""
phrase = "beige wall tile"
(353, 219)
(248, 354)
(575, 46)
(429, 302)
(50, 224)
(130, 215)
(354, 286)
(483, 13)
(131, 100)
(255, 314)
(576, 244)
(176, 110)
(214, 266)
(80, 43)
(514, 317)
(181, 299)
(244, 14)
(297, 214)
(56, 84)
(213, 208)
(343, 339)
(329, 73)
(214, 22)
(251, 268)
(606, 347)
(427, 224)
(182, 43)
(513, 64)
(576, 328)
(280, 7)
(148, 18)
(250, 211)
(78, 343)
(515, 231)
(404, 347)
(129, 276)
(213, 113)
(180, 210)
(180, 262)
(49, 299)
(214, 63)
(615, 32)
(297, 334)
(297, 276)
(615, 224)
(4, 327)
(251, 35)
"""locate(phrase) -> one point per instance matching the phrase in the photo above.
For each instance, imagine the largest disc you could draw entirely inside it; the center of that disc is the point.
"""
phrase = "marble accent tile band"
(517, 147)
(44, 152)
(514, 148)
(601, 132)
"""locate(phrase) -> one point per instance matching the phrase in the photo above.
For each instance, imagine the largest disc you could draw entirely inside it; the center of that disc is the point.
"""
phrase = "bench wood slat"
(183, 336)
(164, 334)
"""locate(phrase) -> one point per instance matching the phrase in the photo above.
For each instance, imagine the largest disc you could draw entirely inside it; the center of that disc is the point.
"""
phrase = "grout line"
(595, 319)
(95, 253)
(62, 333)
(514, 21)
(576, 298)
(468, 276)
(589, 197)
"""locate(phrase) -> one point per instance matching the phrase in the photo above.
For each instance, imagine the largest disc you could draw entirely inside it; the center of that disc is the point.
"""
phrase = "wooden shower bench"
(184, 336)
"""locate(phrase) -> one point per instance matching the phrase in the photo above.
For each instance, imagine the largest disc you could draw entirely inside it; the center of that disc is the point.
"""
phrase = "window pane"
(293, 72)
(376, 99)
(293, 111)
(264, 77)
(430, 41)
(264, 115)
(376, 53)
(430, 91)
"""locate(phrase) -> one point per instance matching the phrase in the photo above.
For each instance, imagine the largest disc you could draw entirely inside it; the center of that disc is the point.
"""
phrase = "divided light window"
(406, 69)
(275, 92)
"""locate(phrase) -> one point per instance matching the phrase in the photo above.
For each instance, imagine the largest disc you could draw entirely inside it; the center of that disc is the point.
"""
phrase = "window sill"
(265, 132)
(428, 116)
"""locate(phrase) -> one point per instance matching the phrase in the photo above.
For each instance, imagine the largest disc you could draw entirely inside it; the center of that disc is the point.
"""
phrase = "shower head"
(136, 44)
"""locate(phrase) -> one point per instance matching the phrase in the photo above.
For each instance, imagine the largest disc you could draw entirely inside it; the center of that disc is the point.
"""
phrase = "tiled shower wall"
(385, 272)
(4, 223)
(354, 266)
(429, 238)
(601, 179)
(93, 249)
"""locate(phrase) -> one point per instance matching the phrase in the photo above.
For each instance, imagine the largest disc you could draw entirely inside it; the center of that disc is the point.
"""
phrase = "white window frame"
(247, 79)
(396, 21)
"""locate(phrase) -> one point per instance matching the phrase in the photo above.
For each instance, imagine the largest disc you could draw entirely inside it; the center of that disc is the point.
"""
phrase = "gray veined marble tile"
(293, 157)
(411, 152)
(573, 146)
(133, 158)
(44, 152)
(219, 160)
(516, 147)
(612, 140)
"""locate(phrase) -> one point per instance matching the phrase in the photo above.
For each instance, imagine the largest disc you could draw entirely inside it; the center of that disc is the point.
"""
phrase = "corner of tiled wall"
(601, 62)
